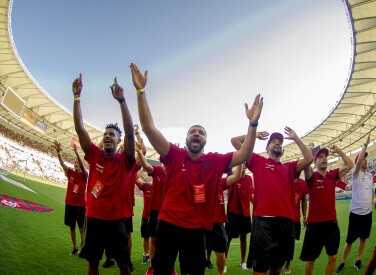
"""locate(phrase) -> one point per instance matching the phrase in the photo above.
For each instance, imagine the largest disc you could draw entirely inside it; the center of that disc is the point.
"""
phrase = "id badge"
(199, 193)
(221, 198)
(75, 188)
(97, 189)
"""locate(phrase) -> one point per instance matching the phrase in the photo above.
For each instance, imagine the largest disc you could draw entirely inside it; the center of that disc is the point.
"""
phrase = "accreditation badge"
(75, 188)
(199, 193)
(97, 189)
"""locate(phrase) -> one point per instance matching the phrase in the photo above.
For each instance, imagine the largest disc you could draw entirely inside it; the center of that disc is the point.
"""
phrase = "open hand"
(139, 79)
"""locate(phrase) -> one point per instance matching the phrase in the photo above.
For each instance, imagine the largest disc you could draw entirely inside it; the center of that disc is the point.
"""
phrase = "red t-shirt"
(301, 190)
(159, 181)
(147, 189)
(239, 196)
(322, 197)
(76, 189)
(187, 177)
(132, 184)
(108, 194)
(220, 212)
(274, 187)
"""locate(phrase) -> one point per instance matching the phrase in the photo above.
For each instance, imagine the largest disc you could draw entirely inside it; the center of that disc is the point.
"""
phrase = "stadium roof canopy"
(350, 120)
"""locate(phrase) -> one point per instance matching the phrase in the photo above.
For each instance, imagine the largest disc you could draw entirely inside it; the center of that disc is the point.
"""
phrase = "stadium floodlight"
(13, 102)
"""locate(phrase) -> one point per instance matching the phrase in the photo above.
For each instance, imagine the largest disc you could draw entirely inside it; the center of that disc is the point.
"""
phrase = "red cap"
(356, 159)
(275, 135)
(322, 150)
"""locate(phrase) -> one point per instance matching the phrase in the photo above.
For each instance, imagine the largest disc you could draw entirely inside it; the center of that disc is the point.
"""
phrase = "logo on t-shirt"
(269, 166)
(99, 168)
(320, 184)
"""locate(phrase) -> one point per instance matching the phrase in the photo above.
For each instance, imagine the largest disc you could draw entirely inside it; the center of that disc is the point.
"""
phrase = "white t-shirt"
(362, 190)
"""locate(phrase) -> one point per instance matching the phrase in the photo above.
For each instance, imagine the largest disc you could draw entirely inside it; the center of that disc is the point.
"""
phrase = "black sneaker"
(358, 265)
(131, 268)
(340, 267)
(145, 259)
(209, 264)
(74, 251)
(108, 263)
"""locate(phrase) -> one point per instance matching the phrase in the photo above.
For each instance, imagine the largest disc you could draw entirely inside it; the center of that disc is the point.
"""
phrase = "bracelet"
(254, 125)
(76, 98)
(121, 100)
(139, 91)
(365, 145)
(257, 134)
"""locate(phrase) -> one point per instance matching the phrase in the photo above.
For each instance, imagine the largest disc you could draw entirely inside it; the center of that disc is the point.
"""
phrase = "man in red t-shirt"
(192, 186)
(147, 189)
(216, 239)
(108, 193)
(239, 213)
(272, 235)
(158, 174)
(322, 227)
(301, 191)
(75, 201)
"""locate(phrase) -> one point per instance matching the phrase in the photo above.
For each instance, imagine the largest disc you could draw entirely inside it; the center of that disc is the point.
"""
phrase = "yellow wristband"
(77, 98)
(140, 90)
(256, 134)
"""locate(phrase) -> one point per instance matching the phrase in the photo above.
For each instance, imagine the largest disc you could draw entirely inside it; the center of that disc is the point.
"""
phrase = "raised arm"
(307, 155)
(79, 160)
(235, 176)
(246, 150)
(129, 146)
(148, 168)
(348, 164)
(238, 141)
(157, 140)
(83, 135)
(308, 171)
(139, 139)
(304, 208)
(57, 147)
(362, 155)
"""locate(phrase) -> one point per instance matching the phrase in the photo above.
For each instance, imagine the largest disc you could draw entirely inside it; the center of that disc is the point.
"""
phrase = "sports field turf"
(39, 243)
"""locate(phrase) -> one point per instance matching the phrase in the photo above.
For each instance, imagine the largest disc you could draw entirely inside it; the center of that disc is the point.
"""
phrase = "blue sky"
(205, 60)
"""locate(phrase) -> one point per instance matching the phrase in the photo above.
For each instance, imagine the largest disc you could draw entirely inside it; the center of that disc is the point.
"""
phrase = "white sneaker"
(243, 266)
(225, 269)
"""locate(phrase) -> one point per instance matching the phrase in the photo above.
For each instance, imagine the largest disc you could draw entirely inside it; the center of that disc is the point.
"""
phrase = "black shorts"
(152, 222)
(171, 240)
(129, 225)
(144, 229)
(216, 239)
(318, 235)
(237, 225)
(101, 234)
(359, 227)
(297, 229)
(271, 244)
(74, 214)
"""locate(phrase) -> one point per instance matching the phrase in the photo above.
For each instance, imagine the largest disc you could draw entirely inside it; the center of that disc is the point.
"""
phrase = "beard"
(194, 150)
(277, 152)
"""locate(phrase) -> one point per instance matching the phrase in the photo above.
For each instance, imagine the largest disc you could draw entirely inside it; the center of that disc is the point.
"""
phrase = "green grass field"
(39, 243)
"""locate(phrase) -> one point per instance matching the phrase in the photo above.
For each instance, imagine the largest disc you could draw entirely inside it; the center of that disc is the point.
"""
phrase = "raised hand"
(139, 80)
(333, 149)
(139, 146)
(135, 128)
(290, 133)
(117, 90)
(75, 147)
(262, 135)
(368, 138)
(253, 113)
(77, 85)
(57, 146)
